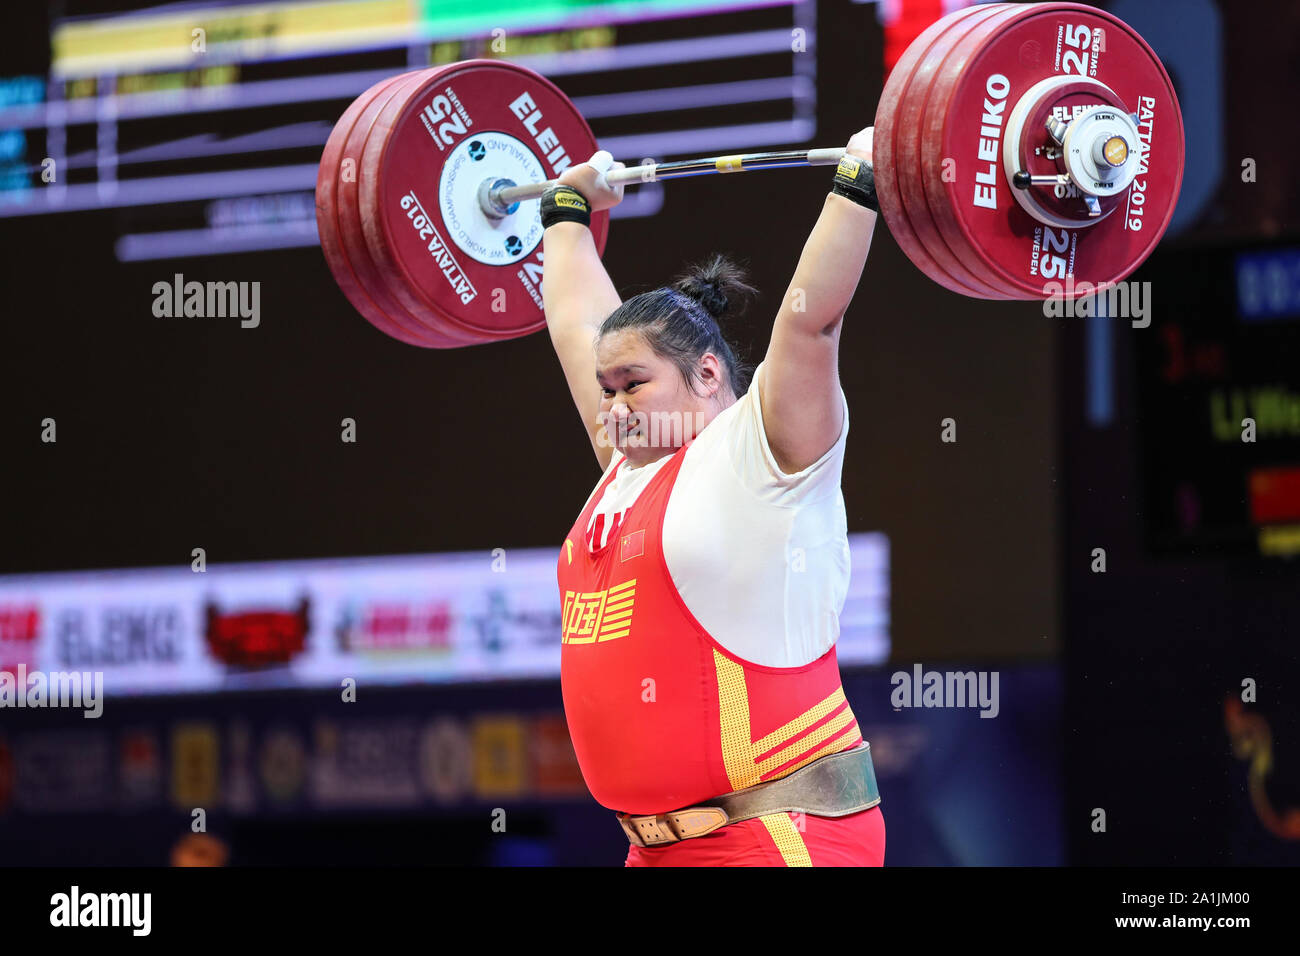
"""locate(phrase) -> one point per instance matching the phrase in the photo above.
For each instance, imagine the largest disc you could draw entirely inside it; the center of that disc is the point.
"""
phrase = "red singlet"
(663, 717)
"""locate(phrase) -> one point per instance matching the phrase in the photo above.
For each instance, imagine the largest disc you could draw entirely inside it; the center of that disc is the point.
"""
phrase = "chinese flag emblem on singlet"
(633, 545)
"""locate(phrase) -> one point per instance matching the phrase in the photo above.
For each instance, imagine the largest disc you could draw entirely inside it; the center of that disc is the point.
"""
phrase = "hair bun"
(717, 285)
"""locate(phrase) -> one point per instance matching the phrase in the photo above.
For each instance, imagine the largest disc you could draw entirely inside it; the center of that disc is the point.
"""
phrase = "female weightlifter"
(702, 582)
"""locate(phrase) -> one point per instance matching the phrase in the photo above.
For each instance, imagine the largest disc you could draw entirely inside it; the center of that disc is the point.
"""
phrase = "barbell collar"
(489, 192)
(1056, 129)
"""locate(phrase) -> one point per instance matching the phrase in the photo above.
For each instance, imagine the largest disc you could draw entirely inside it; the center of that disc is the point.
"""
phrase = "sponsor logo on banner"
(64, 770)
(500, 757)
(396, 627)
(20, 624)
(369, 763)
(259, 637)
(283, 764)
(241, 788)
(116, 635)
(501, 627)
(139, 768)
(194, 765)
(446, 760)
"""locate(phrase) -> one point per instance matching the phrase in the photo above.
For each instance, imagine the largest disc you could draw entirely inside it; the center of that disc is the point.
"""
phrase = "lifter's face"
(640, 392)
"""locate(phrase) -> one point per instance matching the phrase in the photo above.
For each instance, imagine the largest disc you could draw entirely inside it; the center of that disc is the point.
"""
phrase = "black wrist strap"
(564, 204)
(855, 180)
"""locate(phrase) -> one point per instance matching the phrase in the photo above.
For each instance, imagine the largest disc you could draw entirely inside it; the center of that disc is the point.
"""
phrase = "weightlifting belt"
(831, 786)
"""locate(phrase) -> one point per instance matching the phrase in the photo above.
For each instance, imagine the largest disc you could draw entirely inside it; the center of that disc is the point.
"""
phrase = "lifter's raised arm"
(578, 295)
(800, 386)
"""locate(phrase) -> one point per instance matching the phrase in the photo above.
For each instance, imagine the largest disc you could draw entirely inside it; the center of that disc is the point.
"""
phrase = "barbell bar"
(500, 195)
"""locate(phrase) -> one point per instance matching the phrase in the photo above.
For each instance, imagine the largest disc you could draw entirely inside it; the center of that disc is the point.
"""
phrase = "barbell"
(1020, 151)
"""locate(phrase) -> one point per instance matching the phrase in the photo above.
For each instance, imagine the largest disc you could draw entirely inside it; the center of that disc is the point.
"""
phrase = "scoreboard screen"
(1219, 400)
(201, 126)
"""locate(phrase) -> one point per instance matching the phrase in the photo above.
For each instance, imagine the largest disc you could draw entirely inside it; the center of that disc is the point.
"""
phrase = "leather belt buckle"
(658, 829)
(648, 830)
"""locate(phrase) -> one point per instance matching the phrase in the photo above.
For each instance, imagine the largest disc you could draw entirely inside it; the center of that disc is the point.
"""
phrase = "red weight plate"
(1013, 247)
(393, 282)
(884, 150)
(425, 158)
(384, 288)
(937, 117)
(327, 185)
(379, 253)
(913, 110)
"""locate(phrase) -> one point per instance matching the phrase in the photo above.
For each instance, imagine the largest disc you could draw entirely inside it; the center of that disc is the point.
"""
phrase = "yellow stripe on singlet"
(740, 752)
(787, 838)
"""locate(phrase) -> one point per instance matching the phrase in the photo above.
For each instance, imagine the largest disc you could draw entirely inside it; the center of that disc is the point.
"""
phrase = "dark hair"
(680, 321)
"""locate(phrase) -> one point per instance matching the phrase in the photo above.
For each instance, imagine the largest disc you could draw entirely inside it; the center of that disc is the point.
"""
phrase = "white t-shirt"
(760, 557)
